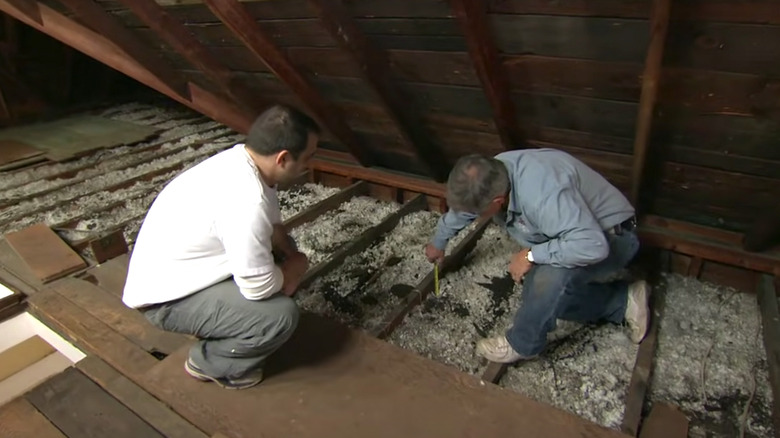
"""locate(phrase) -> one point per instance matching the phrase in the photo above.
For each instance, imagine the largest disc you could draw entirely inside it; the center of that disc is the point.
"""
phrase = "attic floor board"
(332, 381)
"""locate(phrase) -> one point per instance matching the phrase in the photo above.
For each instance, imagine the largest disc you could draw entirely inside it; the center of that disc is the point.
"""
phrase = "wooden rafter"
(659, 24)
(473, 20)
(95, 45)
(97, 18)
(375, 69)
(237, 18)
(185, 43)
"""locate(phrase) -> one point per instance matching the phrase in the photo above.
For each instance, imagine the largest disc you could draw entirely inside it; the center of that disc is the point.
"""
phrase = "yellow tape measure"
(436, 278)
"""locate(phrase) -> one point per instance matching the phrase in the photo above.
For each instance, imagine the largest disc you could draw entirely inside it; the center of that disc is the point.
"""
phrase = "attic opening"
(709, 175)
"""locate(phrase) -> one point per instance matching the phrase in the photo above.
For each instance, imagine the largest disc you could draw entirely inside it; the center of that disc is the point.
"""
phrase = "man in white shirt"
(203, 263)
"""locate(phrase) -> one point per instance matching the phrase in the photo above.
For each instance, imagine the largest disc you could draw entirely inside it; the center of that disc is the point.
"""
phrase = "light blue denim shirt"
(558, 206)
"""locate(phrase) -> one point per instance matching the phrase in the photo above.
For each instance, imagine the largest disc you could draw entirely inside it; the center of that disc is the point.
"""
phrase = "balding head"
(474, 182)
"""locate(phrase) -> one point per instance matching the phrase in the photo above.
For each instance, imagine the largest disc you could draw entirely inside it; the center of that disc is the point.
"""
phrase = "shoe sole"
(206, 378)
(643, 302)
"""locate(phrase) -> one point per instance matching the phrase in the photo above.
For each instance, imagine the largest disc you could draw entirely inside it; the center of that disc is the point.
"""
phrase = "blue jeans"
(573, 294)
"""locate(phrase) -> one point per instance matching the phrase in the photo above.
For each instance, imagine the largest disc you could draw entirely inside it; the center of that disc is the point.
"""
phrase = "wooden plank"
(47, 256)
(108, 247)
(473, 20)
(326, 205)
(89, 334)
(770, 322)
(12, 150)
(22, 355)
(650, 77)
(363, 241)
(109, 310)
(664, 421)
(151, 410)
(20, 419)
(375, 68)
(14, 273)
(451, 263)
(326, 370)
(101, 21)
(109, 276)
(237, 18)
(643, 367)
(694, 269)
(79, 407)
(96, 46)
(751, 11)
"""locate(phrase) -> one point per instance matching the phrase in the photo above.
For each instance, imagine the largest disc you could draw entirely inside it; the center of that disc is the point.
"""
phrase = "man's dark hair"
(474, 182)
(281, 128)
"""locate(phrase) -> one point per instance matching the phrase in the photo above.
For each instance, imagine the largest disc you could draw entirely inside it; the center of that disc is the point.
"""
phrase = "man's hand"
(433, 254)
(282, 243)
(293, 268)
(519, 265)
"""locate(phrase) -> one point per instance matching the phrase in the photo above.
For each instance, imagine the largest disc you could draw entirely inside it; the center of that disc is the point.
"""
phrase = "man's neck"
(264, 166)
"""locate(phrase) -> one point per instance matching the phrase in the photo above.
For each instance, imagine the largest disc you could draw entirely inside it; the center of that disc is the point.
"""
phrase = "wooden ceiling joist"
(659, 24)
(237, 18)
(473, 20)
(97, 46)
(375, 70)
(196, 53)
(94, 16)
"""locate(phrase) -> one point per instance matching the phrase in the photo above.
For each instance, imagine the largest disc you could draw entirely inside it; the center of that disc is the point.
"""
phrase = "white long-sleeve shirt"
(213, 221)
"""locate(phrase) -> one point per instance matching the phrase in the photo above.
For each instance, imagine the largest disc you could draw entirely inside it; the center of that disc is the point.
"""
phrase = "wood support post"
(237, 18)
(659, 24)
(770, 321)
(473, 20)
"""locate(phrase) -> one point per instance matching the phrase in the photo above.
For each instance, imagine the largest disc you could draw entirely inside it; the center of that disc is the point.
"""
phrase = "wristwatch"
(529, 256)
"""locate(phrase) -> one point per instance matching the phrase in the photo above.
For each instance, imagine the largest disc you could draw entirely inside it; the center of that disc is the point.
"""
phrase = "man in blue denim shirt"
(576, 228)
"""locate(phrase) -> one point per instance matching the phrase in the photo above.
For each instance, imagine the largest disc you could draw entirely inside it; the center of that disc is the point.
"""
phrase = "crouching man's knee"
(287, 316)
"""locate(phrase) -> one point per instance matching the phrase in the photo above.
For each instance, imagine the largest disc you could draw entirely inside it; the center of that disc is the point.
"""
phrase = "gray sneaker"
(637, 310)
(246, 381)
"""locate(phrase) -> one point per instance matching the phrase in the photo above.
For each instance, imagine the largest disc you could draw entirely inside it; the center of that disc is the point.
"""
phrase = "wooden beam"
(473, 20)
(390, 178)
(665, 421)
(94, 45)
(363, 241)
(185, 43)
(770, 321)
(326, 205)
(659, 20)
(494, 372)
(451, 263)
(376, 72)
(238, 19)
(95, 16)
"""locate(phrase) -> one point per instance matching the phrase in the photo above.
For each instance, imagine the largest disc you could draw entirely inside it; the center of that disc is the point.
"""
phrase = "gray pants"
(236, 335)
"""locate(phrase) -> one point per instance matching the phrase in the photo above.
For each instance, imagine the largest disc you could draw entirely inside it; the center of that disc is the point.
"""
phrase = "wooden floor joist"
(451, 263)
(365, 240)
(326, 205)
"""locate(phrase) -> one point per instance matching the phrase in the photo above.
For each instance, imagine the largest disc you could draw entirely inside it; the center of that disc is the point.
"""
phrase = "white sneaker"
(498, 350)
(637, 310)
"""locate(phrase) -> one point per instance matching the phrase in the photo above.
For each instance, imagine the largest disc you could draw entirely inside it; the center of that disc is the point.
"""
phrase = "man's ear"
(282, 158)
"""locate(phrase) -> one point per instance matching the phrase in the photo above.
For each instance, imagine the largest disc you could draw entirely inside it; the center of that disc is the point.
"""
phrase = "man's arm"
(282, 242)
(576, 236)
(449, 225)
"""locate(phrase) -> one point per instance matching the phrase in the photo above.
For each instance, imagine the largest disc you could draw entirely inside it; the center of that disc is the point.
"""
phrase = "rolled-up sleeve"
(576, 238)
